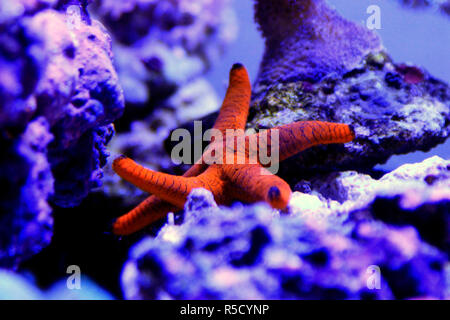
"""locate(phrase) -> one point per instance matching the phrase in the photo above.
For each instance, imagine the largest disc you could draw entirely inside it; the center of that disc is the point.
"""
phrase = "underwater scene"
(225, 149)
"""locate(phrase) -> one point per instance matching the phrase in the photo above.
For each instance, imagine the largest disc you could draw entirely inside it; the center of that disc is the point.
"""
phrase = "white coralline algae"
(416, 184)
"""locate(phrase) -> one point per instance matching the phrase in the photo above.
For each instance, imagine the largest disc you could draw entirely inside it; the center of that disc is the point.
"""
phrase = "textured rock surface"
(59, 93)
(415, 185)
(306, 40)
(81, 96)
(413, 194)
(410, 195)
(441, 5)
(249, 252)
(418, 183)
(394, 108)
(25, 218)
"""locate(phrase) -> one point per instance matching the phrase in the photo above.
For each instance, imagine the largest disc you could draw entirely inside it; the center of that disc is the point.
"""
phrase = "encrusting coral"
(228, 180)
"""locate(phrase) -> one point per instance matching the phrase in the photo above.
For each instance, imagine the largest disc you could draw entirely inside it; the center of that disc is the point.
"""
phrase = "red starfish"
(228, 181)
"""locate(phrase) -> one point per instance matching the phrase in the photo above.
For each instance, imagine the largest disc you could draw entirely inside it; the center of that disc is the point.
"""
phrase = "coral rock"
(442, 5)
(414, 194)
(394, 109)
(59, 94)
(306, 40)
(199, 199)
(25, 217)
(248, 253)
(80, 96)
(329, 247)
(318, 66)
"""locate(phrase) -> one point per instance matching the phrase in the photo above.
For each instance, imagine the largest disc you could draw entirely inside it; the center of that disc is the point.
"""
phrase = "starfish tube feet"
(237, 66)
(275, 199)
(279, 198)
(255, 183)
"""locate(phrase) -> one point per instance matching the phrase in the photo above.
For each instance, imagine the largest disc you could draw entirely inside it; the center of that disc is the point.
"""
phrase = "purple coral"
(59, 93)
(306, 40)
(80, 96)
(247, 253)
(25, 216)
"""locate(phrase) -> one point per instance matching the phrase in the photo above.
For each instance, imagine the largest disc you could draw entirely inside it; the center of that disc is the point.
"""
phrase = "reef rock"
(81, 96)
(441, 5)
(59, 94)
(414, 194)
(306, 40)
(250, 252)
(318, 66)
(25, 216)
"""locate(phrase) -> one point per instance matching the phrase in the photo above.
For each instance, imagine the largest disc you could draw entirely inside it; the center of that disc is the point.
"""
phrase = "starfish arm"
(298, 136)
(150, 210)
(252, 183)
(234, 111)
(173, 189)
(147, 212)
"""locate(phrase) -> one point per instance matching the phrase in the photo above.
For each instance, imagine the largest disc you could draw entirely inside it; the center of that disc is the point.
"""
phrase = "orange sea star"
(227, 180)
